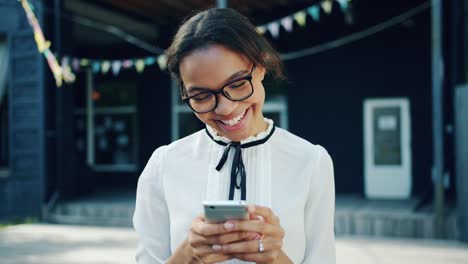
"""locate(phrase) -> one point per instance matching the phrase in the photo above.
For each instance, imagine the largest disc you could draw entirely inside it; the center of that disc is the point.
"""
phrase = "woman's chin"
(239, 131)
(236, 135)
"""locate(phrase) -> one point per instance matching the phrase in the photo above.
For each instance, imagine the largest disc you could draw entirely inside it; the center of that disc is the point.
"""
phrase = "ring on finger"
(261, 248)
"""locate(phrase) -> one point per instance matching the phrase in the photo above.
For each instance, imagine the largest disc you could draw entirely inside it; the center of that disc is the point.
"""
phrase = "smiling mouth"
(235, 120)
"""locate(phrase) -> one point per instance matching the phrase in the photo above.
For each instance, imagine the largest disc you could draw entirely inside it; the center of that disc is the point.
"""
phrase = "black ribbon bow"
(237, 168)
(237, 163)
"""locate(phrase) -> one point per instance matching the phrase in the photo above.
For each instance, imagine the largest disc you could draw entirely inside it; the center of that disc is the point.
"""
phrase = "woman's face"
(211, 68)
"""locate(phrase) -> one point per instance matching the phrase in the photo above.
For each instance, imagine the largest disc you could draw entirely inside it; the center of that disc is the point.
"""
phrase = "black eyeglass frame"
(221, 90)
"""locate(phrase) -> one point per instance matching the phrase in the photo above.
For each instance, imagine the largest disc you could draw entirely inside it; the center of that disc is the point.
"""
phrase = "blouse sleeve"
(151, 218)
(319, 213)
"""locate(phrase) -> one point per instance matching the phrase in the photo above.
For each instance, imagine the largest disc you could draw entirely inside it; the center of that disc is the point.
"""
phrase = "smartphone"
(221, 211)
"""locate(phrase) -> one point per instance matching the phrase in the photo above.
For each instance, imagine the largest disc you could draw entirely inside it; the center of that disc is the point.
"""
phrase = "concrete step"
(356, 215)
(117, 215)
(353, 216)
(396, 225)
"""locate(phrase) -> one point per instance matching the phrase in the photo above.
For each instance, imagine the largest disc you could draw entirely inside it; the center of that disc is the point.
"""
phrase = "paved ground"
(53, 244)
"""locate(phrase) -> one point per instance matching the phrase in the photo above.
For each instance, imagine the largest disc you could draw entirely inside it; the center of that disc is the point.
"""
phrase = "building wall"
(327, 91)
(21, 193)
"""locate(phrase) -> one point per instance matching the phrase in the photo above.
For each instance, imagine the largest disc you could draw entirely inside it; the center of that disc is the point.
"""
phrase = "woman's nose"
(225, 106)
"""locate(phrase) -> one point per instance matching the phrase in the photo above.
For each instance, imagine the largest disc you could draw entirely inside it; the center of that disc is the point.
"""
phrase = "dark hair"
(226, 27)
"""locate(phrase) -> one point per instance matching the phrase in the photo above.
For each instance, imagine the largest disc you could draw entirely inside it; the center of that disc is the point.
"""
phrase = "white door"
(387, 148)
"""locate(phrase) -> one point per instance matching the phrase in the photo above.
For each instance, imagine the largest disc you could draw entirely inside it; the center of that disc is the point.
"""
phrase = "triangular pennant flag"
(116, 65)
(68, 75)
(327, 6)
(162, 62)
(105, 66)
(95, 66)
(287, 23)
(314, 12)
(140, 65)
(65, 61)
(127, 64)
(76, 64)
(273, 27)
(150, 61)
(84, 62)
(261, 29)
(343, 4)
(300, 18)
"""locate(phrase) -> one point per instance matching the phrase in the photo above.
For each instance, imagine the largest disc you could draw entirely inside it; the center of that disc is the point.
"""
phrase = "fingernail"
(216, 247)
(257, 237)
(228, 225)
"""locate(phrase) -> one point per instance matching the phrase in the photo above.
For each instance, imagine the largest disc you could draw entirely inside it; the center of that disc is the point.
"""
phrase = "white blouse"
(286, 173)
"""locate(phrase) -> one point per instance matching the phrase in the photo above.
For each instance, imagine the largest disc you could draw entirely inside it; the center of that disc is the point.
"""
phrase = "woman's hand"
(203, 236)
(268, 224)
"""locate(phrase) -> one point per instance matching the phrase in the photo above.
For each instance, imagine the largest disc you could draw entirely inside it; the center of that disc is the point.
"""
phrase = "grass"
(28, 220)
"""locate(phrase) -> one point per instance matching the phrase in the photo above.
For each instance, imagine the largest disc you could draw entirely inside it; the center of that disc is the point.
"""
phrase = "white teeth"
(235, 120)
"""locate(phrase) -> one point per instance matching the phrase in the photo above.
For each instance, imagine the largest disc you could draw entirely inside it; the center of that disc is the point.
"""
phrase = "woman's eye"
(202, 97)
(238, 84)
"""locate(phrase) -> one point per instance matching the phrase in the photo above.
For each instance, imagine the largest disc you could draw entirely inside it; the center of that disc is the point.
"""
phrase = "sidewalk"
(53, 244)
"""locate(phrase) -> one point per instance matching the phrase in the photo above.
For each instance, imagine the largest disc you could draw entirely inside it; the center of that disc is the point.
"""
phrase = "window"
(4, 138)
(106, 123)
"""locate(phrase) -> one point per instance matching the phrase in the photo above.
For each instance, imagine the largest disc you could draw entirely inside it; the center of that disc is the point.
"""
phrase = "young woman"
(220, 61)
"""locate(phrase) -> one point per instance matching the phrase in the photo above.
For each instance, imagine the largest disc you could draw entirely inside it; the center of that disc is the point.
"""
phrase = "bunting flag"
(84, 62)
(140, 65)
(150, 61)
(262, 29)
(314, 12)
(343, 4)
(76, 64)
(60, 73)
(273, 27)
(300, 17)
(162, 62)
(327, 6)
(116, 65)
(105, 66)
(126, 64)
(287, 23)
(96, 67)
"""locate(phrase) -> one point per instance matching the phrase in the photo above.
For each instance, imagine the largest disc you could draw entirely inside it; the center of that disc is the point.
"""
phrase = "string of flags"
(114, 66)
(60, 73)
(69, 64)
(139, 64)
(300, 17)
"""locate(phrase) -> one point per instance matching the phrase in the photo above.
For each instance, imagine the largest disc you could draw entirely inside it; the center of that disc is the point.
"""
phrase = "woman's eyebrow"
(193, 89)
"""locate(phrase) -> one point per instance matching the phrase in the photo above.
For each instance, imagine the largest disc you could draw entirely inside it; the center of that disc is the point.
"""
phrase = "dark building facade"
(22, 185)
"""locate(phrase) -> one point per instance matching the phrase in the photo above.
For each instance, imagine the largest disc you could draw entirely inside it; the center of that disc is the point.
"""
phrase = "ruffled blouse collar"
(252, 140)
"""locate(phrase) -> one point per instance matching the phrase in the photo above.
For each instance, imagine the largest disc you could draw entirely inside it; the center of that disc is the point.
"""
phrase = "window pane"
(114, 139)
(115, 92)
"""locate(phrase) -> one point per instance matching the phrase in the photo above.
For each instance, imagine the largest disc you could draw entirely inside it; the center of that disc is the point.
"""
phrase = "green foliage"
(28, 220)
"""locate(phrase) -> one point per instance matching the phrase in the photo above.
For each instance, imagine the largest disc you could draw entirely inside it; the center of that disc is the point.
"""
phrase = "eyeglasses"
(235, 90)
